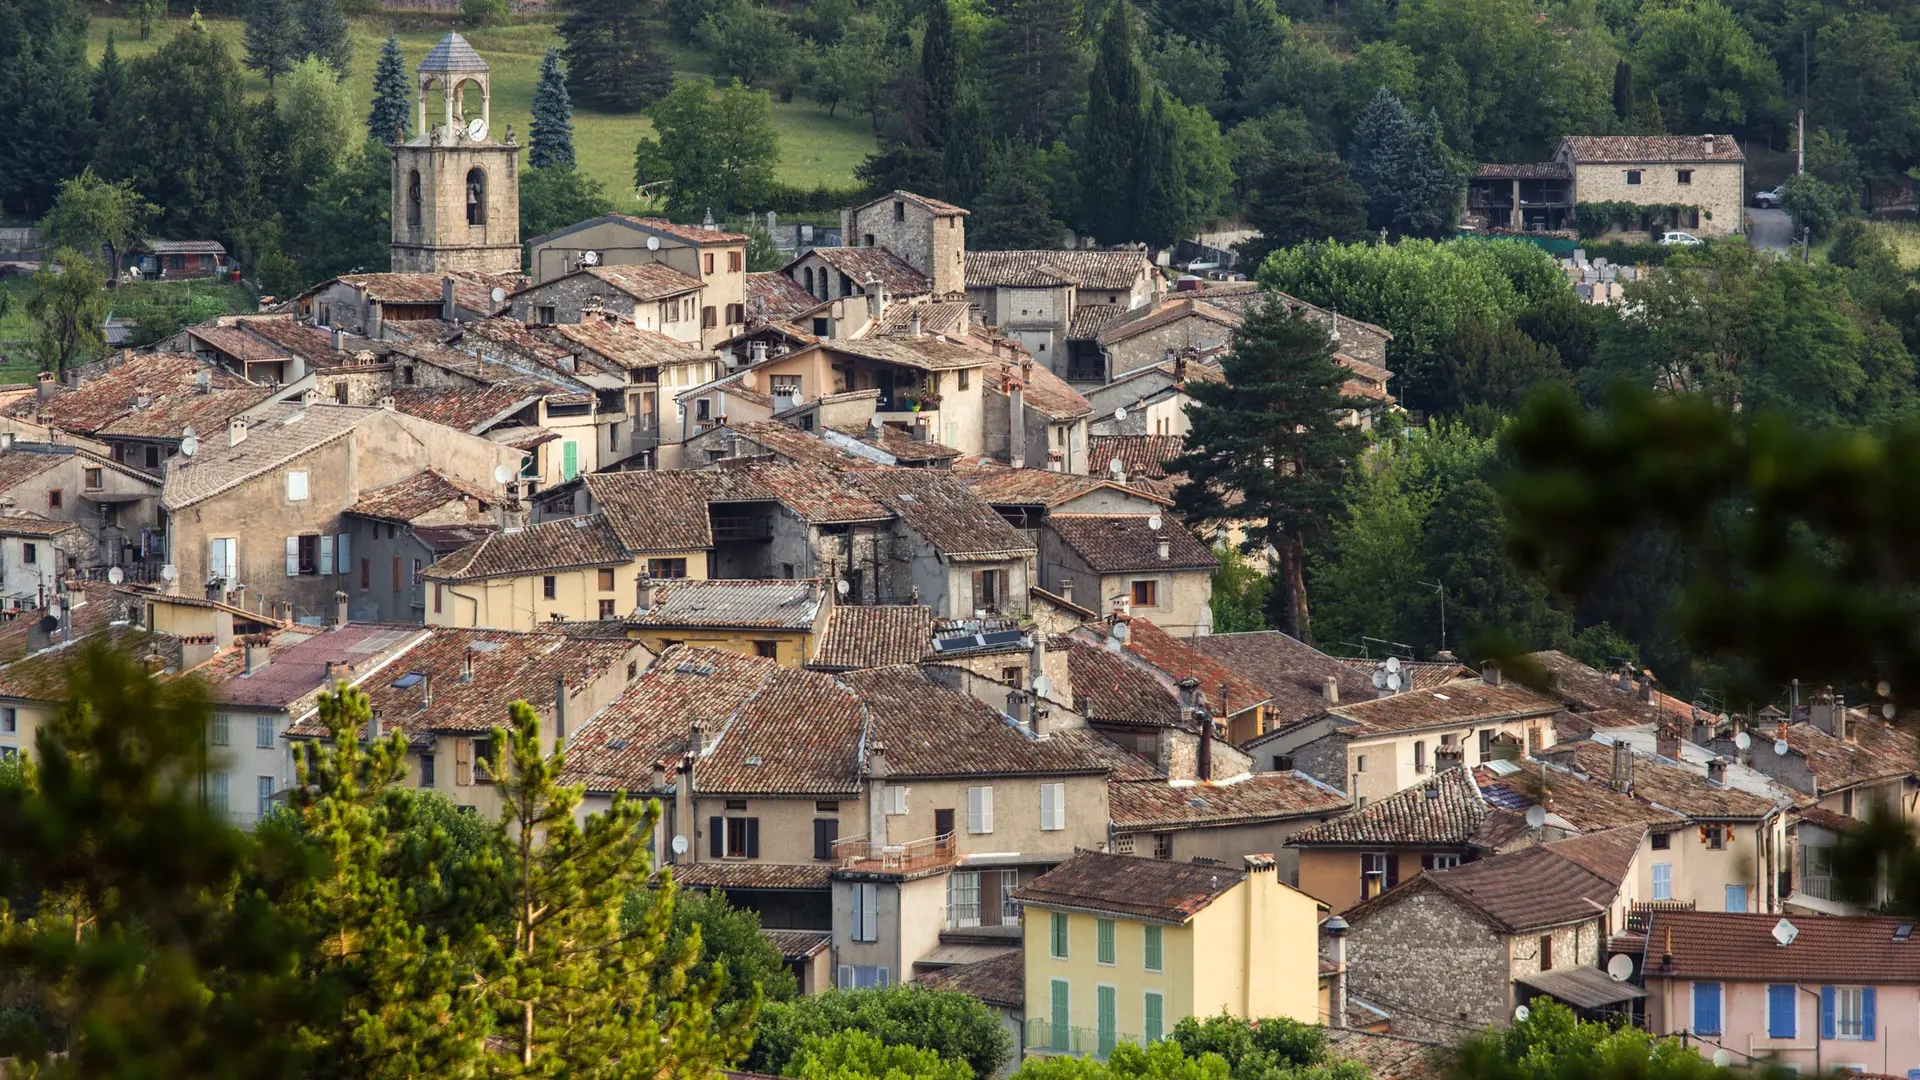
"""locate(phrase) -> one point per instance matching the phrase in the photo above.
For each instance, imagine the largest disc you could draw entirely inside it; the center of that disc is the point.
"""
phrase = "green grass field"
(814, 148)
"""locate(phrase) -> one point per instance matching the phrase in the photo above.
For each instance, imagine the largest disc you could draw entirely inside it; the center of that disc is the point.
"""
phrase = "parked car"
(1685, 239)
(1771, 199)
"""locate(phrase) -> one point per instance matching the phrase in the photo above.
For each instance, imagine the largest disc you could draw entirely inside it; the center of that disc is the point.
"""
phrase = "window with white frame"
(979, 810)
(1850, 1012)
(963, 899)
(1053, 807)
(296, 485)
(866, 911)
(1662, 881)
(864, 977)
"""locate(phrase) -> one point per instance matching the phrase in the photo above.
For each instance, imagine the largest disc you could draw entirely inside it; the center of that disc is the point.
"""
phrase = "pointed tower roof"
(453, 54)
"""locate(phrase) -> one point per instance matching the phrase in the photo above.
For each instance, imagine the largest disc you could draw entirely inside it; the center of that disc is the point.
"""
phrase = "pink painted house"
(1843, 992)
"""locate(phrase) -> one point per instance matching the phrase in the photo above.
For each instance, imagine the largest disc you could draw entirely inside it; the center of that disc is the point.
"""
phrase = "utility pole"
(1801, 163)
(1800, 155)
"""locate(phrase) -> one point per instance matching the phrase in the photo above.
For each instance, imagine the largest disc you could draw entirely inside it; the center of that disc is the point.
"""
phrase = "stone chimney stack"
(256, 652)
(448, 309)
(1336, 930)
(877, 773)
(1330, 690)
(1490, 673)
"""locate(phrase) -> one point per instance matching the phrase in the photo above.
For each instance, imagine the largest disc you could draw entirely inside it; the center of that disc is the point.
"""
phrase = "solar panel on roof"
(1505, 799)
(1002, 637)
(408, 681)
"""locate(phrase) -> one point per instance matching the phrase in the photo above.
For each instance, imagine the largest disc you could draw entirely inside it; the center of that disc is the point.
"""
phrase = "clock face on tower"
(477, 128)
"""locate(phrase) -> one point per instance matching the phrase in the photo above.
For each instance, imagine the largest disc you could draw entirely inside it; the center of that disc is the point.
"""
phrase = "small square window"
(29, 554)
(548, 589)
(95, 479)
(1662, 841)
(768, 650)
(56, 499)
(153, 457)
(1683, 176)
(1633, 176)
(606, 579)
(963, 378)
(1146, 594)
(606, 610)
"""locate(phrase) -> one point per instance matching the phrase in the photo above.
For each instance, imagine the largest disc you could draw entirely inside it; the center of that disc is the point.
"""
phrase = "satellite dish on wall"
(679, 845)
(589, 258)
(653, 243)
(843, 586)
(502, 474)
(1784, 932)
(1115, 467)
(477, 128)
(1042, 686)
(1743, 740)
(1536, 816)
(1620, 968)
(1722, 1058)
(1154, 523)
(1120, 413)
(116, 575)
(1521, 1013)
(168, 572)
(499, 295)
(1780, 747)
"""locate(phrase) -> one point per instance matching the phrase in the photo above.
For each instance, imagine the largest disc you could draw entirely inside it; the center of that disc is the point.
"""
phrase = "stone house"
(1053, 303)
(262, 505)
(116, 505)
(1162, 573)
(1703, 175)
(1352, 337)
(655, 296)
(718, 260)
(1176, 325)
(1034, 418)
(396, 531)
(859, 283)
(365, 303)
(1154, 683)
(455, 187)
(927, 234)
(36, 555)
(1456, 949)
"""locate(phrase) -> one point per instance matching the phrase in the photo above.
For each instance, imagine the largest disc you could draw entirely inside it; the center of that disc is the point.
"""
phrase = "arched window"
(476, 196)
(413, 199)
(809, 281)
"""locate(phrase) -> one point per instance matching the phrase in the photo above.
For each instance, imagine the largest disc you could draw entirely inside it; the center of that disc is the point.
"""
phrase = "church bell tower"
(456, 190)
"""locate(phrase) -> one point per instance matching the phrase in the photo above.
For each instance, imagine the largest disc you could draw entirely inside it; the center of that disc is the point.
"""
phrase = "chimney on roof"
(373, 727)
(756, 352)
(646, 593)
(1163, 547)
(1016, 422)
(1666, 740)
(1622, 778)
(876, 297)
(1490, 673)
(1336, 930)
(466, 666)
(236, 431)
(339, 606)
(877, 773)
(559, 706)
(256, 652)
(1644, 686)
(1717, 770)
(1036, 654)
(695, 740)
(1066, 589)
(426, 689)
(913, 324)
(44, 384)
(1709, 142)
(448, 310)
(1821, 711)
(1330, 690)
(339, 340)
(142, 396)
(1203, 761)
(659, 782)
(1017, 706)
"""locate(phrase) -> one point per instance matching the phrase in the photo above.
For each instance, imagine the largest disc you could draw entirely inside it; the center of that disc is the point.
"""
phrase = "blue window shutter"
(1867, 1022)
(1706, 1008)
(1826, 1012)
(1781, 1004)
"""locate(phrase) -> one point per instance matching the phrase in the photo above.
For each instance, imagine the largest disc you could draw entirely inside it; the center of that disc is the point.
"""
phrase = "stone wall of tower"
(437, 235)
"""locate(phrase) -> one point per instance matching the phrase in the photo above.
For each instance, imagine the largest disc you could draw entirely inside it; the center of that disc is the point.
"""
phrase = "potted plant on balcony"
(918, 400)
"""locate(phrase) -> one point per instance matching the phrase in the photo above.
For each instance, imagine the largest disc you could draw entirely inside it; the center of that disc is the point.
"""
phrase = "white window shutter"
(974, 824)
(293, 556)
(844, 977)
(217, 558)
(296, 485)
(345, 548)
(869, 911)
(986, 809)
(233, 556)
(326, 553)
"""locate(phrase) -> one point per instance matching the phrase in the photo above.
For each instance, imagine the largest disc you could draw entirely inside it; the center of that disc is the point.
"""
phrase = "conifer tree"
(939, 73)
(575, 995)
(1115, 135)
(324, 34)
(109, 81)
(612, 62)
(1012, 212)
(1399, 162)
(391, 117)
(552, 134)
(273, 37)
(1162, 208)
(46, 108)
(969, 146)
(1034, 49)
(1270, 447)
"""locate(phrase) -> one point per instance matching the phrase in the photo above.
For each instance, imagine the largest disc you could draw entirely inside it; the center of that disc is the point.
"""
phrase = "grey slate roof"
(756, 604)
(452, 53)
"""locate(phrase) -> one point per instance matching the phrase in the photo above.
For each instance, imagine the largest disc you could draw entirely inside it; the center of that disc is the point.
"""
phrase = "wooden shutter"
(344, 546)
(463, 761)
(396, 573)
(325, 563)
(825, 832)
(753, 838)
(366, 574)
(869, 912)
(990, 899)
(293, 556)
(1393, 869)
(717, 837)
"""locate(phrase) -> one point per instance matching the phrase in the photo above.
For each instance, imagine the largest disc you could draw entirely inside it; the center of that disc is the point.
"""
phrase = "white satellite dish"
(1620, 968)
(477, 128)
(1395, 681)
(589, 258)
(1120, 413)
(1393, 663)
(1784, 932)
(168, 573)
(1780, 747)
(1042, 686)
(1116, 467)
(499, 295)
(1888, 710)
(502, 474)
(843, 586)
(1379, 680)
(1119, 631)
(1722, 1058)
(1536, 816)
(1725, 719)
(1521, 1013)
(116, 575)
(679, 845)
(1154, 523)
(653, 243)
(1743, 740)
(190, 445)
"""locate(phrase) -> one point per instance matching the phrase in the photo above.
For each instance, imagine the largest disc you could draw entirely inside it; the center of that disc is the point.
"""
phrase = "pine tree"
(1011, 213)
(273, 37)
(939, 73)
(391, 117)
(576, 995)
(1034, 46)
(1164, 210)
(1398, 160)
(969, 146)
(1623, 89)
(552, 135)
(1270, 446)
(1115, 135)
(46, 104)
(612, 64)
(109, 81)
(324, 34)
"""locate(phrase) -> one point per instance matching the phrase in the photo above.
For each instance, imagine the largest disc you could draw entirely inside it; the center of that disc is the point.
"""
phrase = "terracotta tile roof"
(1454, 702)
(1738, 946)
(937, 317)
(931, 731)
(797, 944)
(1123, 765)
(1550, 884)
(770, 604)
(812, 495)
(42, 676)
(1113, 270)
(1003, 486)
(311, 344)
(276, 434)
(644, 281)
(1123, 543)
(90, 617)
(1822, 818)
(1254, 797)
(1139, 455)
(1637, 149)
(776, 297)
(30, 524)
(1584, 803)
(1877, 753)
(1386, 1056)
(874, 635)
(472, 289)
(655, 511)
(793, 445)
(1110, 688)
(1367, 385)
(861, 263)
(620, 345)
(691, 234)
(1447, 809)
(1530, 170)
(1089, 321)
(1179, 660)
(1041, 388)
(896, 440)
(471, 409)
(508, 666)
(926, 352)
(169, 377)
(235, 342)
(18, 465)
(505, 336)
(1681, 789)
(564, 543)
(752, 875)
(1168, 311)
(934, 205)
(998, 981)
(939, 507)
(297, 663)
(1155, 890)
(183, 247)
(1293, 673)
(418, 495)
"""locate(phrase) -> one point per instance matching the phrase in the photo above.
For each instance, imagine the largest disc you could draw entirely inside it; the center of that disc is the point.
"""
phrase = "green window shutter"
(1057, 1039)
(1103, 999)
(1156, 1017)
(569, 460)
(1105, 953)
(1153, 961)
(1059, 935)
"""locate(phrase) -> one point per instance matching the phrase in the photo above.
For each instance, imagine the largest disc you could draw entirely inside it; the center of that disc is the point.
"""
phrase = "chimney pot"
(1330, 690)
(236, 431)
(1066, 589)
(659, 775)
(448, 310)
(1164, 549)
(1490, 673)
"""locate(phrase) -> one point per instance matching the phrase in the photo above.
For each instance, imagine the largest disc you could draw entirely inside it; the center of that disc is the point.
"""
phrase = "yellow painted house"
(777, 618)
(565, 570)
(1120, 949)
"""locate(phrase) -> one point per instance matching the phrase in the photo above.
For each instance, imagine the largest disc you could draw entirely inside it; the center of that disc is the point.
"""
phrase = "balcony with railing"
(913, 856)
(742, 527)
(1639, 915)
(1046, 1037)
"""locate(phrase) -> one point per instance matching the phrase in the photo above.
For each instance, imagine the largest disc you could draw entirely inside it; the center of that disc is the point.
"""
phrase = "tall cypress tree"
(1012, 212)
(552, 135)
(109, 81)
(939, 72)
(273, 37)
(612, 63)
(969, 146)
(1116, 134)
(324, 34)
(1623, 89)
(391, 117)
(1163, 208)
(1033, 48)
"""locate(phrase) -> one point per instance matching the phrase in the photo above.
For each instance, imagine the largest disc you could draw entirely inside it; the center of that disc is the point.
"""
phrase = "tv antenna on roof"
(1441, 588)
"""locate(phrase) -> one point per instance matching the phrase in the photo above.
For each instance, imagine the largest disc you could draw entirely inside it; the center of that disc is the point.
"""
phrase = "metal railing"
(742, 528)
(857, 853)
(1639, 915)
(1045, 1037)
